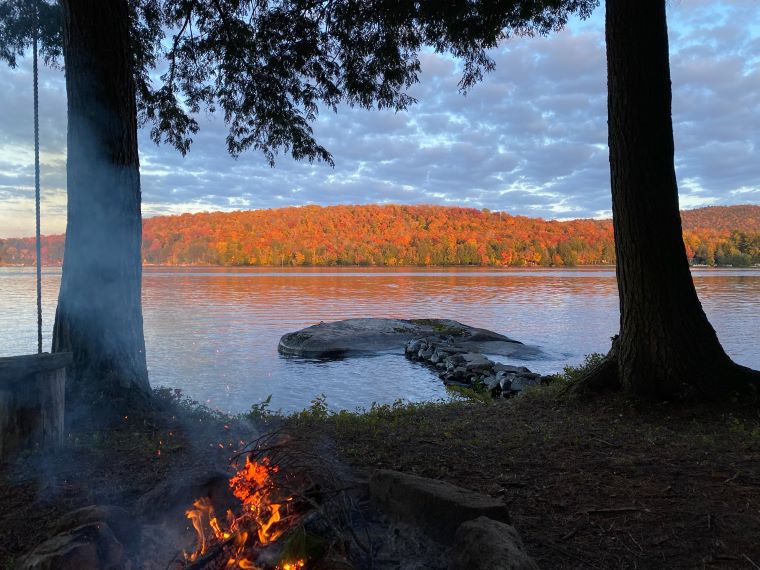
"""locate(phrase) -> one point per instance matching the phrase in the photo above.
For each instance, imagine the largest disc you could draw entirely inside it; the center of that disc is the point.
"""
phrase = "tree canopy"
(270, 67)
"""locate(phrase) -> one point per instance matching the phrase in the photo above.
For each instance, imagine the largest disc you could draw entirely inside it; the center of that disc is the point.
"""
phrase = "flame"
(253, 486)
(262, 510)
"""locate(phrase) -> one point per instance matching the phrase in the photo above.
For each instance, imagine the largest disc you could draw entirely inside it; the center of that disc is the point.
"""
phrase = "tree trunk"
(99, 315)
(666, 348)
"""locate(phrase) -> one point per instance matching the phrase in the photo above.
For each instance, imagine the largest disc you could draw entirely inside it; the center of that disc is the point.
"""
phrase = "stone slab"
(435, 506)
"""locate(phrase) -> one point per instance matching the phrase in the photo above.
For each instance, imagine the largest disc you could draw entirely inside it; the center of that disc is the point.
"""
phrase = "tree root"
(601, 379)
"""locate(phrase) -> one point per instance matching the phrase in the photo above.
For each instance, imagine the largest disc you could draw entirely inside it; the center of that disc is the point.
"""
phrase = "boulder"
(91, 545)
(123, 525)
(508, 368)
(487, 544)
(519, 383)
(435, 506)
(475, 361)
(175, 495)
(492, 383)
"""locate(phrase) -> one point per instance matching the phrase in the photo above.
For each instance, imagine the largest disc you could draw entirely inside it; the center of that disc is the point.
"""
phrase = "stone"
(492, 383)
(123, 525)
(475, 360)
(487, 544)
(88, 546)
(460, 371)
(177, 494)
(357, 337)
(523, 381)
(435, 506)
(455, 383)
(499, 367)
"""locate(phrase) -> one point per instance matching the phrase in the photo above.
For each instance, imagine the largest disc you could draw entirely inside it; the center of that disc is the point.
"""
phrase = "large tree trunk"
(99, 315)
(666, 348)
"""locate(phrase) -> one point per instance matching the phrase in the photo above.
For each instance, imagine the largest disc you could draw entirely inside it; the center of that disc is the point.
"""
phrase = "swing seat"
(32, 398)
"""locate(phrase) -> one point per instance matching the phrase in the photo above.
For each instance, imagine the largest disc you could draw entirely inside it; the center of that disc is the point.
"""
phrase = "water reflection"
(214, 331)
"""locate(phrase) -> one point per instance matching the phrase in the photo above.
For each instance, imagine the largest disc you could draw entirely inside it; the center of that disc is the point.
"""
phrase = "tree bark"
(99, 315)
(667, 348)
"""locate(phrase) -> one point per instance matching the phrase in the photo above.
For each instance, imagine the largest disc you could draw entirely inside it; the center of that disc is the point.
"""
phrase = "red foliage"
(406, 235)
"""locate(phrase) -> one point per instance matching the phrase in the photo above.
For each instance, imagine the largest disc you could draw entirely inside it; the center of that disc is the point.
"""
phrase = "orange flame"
(261, 512)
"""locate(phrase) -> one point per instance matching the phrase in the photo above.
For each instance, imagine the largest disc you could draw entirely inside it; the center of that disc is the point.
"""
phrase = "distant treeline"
(391, 235)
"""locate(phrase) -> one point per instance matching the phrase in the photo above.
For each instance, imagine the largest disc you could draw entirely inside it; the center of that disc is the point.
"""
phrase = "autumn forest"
(393, 235)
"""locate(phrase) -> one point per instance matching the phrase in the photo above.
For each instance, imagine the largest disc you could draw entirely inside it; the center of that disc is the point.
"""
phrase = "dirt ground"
(589, 484)
(604, 484)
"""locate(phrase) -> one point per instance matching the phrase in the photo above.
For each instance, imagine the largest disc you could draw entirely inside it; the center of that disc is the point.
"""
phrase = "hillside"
(393, 235)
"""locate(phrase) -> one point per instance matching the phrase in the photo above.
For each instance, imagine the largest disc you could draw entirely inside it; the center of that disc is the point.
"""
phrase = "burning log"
(245, 541)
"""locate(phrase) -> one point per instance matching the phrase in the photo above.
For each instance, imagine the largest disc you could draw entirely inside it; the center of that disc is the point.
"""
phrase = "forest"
(394, 235)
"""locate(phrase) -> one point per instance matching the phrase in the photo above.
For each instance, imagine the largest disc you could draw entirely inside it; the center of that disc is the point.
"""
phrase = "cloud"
(530, 139)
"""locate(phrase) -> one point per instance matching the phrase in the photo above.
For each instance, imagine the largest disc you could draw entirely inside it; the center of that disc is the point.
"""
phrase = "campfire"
(244, 540)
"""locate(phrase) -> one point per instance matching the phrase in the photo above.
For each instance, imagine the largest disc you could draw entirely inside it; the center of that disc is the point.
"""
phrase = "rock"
(499, 367)
(123, 525)
(523, 381)
(492, 383)
(475, 361)
(460, 372)
(178, 494)
(455, 383)
(435, 506)
(487, 544)
(90, 546)
(356, 337)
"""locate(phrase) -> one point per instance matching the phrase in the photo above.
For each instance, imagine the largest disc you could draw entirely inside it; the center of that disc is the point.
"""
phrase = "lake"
(213, 332)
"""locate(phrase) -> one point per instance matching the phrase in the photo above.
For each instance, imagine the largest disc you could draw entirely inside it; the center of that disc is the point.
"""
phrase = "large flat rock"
(361, 337)
(435, 506)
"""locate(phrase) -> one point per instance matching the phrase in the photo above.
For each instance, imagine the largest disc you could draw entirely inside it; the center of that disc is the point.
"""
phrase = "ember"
(267, 513)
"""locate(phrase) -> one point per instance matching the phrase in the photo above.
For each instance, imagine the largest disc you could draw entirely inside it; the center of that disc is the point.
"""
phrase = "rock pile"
(457, 366)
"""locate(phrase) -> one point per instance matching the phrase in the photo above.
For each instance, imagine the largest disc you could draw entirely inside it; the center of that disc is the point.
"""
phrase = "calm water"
(213, 331)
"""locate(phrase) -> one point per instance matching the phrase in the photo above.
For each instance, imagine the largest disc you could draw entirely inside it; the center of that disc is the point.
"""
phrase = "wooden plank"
(15, 368)
(32, 399)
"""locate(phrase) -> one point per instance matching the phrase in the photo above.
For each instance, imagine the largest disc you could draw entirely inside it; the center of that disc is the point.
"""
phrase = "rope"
(37, 177)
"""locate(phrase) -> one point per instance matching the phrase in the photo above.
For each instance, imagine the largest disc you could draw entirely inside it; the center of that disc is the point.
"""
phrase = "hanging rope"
(37, 176)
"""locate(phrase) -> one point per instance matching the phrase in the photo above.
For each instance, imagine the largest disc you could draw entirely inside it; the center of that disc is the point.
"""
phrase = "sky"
(530, 139)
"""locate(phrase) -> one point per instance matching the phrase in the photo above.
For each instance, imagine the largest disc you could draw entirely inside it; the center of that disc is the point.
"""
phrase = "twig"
(570, 534)
(636, 542)
(613, 510)
(731, 478)
(751, 561)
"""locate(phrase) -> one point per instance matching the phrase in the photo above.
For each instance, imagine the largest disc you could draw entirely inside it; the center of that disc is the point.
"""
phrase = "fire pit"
(275, 525)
